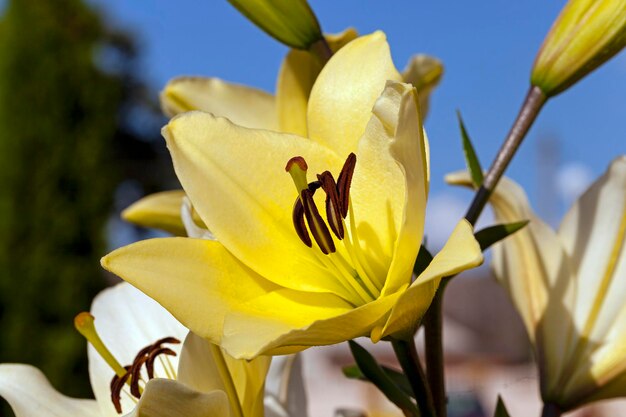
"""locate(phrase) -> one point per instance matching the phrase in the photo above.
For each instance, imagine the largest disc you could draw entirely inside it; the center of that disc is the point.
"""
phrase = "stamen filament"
(84, 323)
(331, 266)
(344, 269)
(354, 242)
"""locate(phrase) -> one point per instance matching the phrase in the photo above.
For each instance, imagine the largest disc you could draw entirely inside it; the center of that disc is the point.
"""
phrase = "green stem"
(535, 99)
(551, 410)
(406, 353)
(433, 325)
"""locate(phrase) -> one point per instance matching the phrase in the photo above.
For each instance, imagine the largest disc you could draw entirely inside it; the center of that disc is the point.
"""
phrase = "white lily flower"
(200, 381)
(569, 287)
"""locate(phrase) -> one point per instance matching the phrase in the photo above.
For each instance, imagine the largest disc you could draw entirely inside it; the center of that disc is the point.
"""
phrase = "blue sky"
(487, 47)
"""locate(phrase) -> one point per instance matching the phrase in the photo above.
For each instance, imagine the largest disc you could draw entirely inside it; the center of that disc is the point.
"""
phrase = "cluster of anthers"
(337, 202)
(349, 264)
(130, 375)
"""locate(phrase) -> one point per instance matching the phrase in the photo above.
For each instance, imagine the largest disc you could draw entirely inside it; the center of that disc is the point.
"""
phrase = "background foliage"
(66, 84)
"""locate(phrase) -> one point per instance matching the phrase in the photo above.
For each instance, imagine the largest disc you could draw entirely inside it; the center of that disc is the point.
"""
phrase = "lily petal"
(199, 370)
(236, 181)
(389, 190)
(256, 334)
(158, 211)
(197, 278)
(29, 394)
(243, 105)
(535, 270)
(297, 75)
(461, 252)
(127, 321)
(594, 235)
(167, 398)
(425, 73)
(358, 71)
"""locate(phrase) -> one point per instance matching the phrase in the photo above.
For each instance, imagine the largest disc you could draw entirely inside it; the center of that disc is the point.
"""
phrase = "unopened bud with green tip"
(292, 22)
(585, 35)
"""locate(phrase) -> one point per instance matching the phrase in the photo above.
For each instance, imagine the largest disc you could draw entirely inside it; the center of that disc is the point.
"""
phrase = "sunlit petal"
(158, 211)
(460, 252)
(390, 187)
(243, 105)
(297, 75)
(346, 90)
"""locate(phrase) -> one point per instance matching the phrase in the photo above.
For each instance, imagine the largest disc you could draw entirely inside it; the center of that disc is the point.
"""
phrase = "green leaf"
(291, 22)
(424, 257)
(375, 374)
(490, 235)
(471, 160)
(501, 410)
(353, 372)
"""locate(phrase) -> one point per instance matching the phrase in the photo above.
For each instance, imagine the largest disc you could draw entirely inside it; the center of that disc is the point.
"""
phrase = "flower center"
(349, 264)
(131, 375)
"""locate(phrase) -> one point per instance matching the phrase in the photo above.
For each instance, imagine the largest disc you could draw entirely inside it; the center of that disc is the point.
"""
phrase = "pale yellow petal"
(199, 369)
(461, 252)
(593, 233)
(535, 270)
(236, 180)
(389, 188)
(127, 321)
(167, 398)
(158, 211)
(217, 297)
(345, 91)
(336, 327)
(29, 394)
(424, 72)
(297, 75)
(243, 105)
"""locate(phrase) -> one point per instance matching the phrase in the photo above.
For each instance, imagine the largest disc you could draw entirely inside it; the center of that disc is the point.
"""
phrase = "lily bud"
(291, 22)
(585, 35)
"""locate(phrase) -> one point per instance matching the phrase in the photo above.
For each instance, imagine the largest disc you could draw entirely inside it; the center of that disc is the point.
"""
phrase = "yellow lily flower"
(569, 287)
(249, 107)
(262, 287)
(200, 380)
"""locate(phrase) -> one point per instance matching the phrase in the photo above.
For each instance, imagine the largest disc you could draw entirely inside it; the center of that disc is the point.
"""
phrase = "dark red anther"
(117, 383)
(152, 356)
(318, 228)
(333, 208)
(298, 223)
(343, 183)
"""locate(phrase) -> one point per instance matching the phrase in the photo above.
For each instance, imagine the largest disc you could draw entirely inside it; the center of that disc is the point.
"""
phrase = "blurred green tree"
(65, 142)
